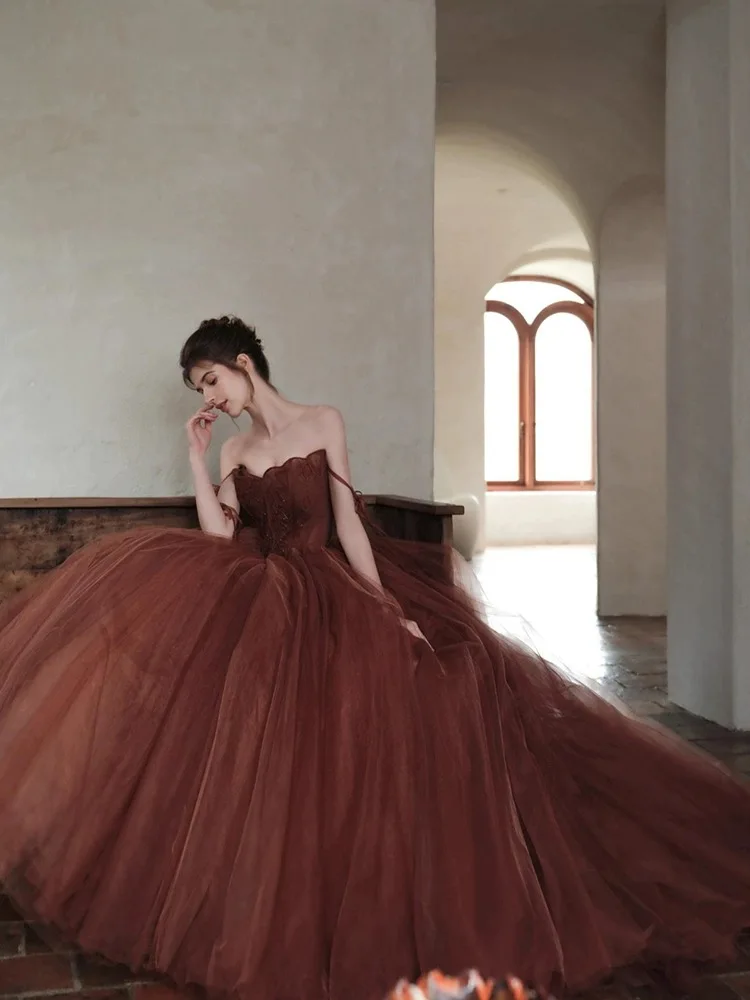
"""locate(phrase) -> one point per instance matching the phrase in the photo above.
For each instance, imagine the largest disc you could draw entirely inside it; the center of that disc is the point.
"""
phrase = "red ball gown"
(228, 761)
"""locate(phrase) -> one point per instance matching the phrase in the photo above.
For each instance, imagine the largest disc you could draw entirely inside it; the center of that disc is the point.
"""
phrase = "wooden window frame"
(526, 366)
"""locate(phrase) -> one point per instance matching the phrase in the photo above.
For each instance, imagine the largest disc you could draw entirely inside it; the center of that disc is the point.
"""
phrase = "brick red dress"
(228, 761)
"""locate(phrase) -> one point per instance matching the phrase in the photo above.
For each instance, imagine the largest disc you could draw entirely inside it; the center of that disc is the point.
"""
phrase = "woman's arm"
(211, 516)
(349, 527)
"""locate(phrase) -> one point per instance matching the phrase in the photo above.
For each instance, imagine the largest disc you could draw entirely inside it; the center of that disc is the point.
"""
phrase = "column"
(708, 357)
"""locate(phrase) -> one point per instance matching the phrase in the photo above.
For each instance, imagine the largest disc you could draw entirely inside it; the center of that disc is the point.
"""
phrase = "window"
(539, 412)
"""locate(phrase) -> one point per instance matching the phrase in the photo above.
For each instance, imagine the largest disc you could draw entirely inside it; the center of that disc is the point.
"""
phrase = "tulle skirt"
(244, 773)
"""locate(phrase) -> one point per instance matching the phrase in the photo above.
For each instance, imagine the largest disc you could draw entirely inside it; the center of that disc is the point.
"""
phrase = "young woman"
(284, 758)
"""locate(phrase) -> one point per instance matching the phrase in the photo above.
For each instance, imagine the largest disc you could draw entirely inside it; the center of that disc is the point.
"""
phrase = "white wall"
(576, 268)
(543, 517)
(575, 88)
(162, 162)
(631, 402)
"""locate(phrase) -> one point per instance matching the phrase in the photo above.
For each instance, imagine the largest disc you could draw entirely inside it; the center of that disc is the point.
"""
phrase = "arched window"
(539, 399)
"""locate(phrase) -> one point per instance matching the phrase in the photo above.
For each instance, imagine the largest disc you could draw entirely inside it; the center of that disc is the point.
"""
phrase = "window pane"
(501, 400)
(530, 297)
(563, 397)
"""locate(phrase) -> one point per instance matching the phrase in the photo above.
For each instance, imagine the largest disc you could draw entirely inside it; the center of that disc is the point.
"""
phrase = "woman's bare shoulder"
(325, 416)
(232, 447)
(323, 425)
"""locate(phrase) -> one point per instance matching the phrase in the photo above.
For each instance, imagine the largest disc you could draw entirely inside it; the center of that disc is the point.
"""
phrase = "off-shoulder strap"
(232, 514)
(358, 498)
(229, 512)
(230, 473)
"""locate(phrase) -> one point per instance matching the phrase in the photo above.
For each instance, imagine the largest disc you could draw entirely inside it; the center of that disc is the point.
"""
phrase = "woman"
(285, 758)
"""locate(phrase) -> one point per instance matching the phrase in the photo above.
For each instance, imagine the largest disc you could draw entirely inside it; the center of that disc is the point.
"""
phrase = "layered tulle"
(239, 769)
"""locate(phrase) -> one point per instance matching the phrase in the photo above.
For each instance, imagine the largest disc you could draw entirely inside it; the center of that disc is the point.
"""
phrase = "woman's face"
(224, 388)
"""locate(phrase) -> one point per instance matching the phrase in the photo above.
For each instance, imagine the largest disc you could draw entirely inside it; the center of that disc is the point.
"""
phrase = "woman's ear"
(246, 362)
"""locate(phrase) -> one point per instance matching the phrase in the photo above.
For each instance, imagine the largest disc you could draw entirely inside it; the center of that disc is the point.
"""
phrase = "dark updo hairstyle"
(221, 341)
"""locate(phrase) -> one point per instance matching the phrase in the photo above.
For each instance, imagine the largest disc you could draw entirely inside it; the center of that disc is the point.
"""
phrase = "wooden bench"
(37, 534)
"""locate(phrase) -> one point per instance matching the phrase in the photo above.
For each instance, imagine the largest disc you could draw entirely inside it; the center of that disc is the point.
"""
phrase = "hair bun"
(222, 340)
(235, 322)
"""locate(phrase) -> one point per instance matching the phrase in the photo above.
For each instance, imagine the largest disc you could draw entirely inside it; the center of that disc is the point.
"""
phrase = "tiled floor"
(546, 596)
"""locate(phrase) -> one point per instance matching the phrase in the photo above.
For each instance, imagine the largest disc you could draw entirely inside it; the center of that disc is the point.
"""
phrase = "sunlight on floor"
(546, 596)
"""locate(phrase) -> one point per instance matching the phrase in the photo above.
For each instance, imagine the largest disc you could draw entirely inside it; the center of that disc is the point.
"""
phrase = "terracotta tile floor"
(546, 595)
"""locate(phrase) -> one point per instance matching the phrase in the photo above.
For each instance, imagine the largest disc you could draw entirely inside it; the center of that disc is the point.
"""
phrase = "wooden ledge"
(84, 503)
(429, 507)
(38, 533)
(435, 507)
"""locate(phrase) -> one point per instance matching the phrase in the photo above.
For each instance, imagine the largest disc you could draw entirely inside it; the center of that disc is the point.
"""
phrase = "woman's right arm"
(211, 515)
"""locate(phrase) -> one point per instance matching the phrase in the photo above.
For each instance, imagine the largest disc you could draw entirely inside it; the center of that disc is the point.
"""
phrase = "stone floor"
(546, 596)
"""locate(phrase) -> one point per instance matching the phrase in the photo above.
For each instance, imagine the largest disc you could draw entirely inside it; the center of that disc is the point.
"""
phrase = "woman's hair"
(221, 341)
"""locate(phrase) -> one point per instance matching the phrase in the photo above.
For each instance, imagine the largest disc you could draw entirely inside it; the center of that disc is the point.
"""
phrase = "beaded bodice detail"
(289, 506)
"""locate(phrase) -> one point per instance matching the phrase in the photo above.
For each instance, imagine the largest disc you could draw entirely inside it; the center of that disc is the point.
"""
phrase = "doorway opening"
(539, 413)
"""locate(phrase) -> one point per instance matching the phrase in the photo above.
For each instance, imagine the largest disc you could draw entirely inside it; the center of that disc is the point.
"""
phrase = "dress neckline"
(281, 465)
